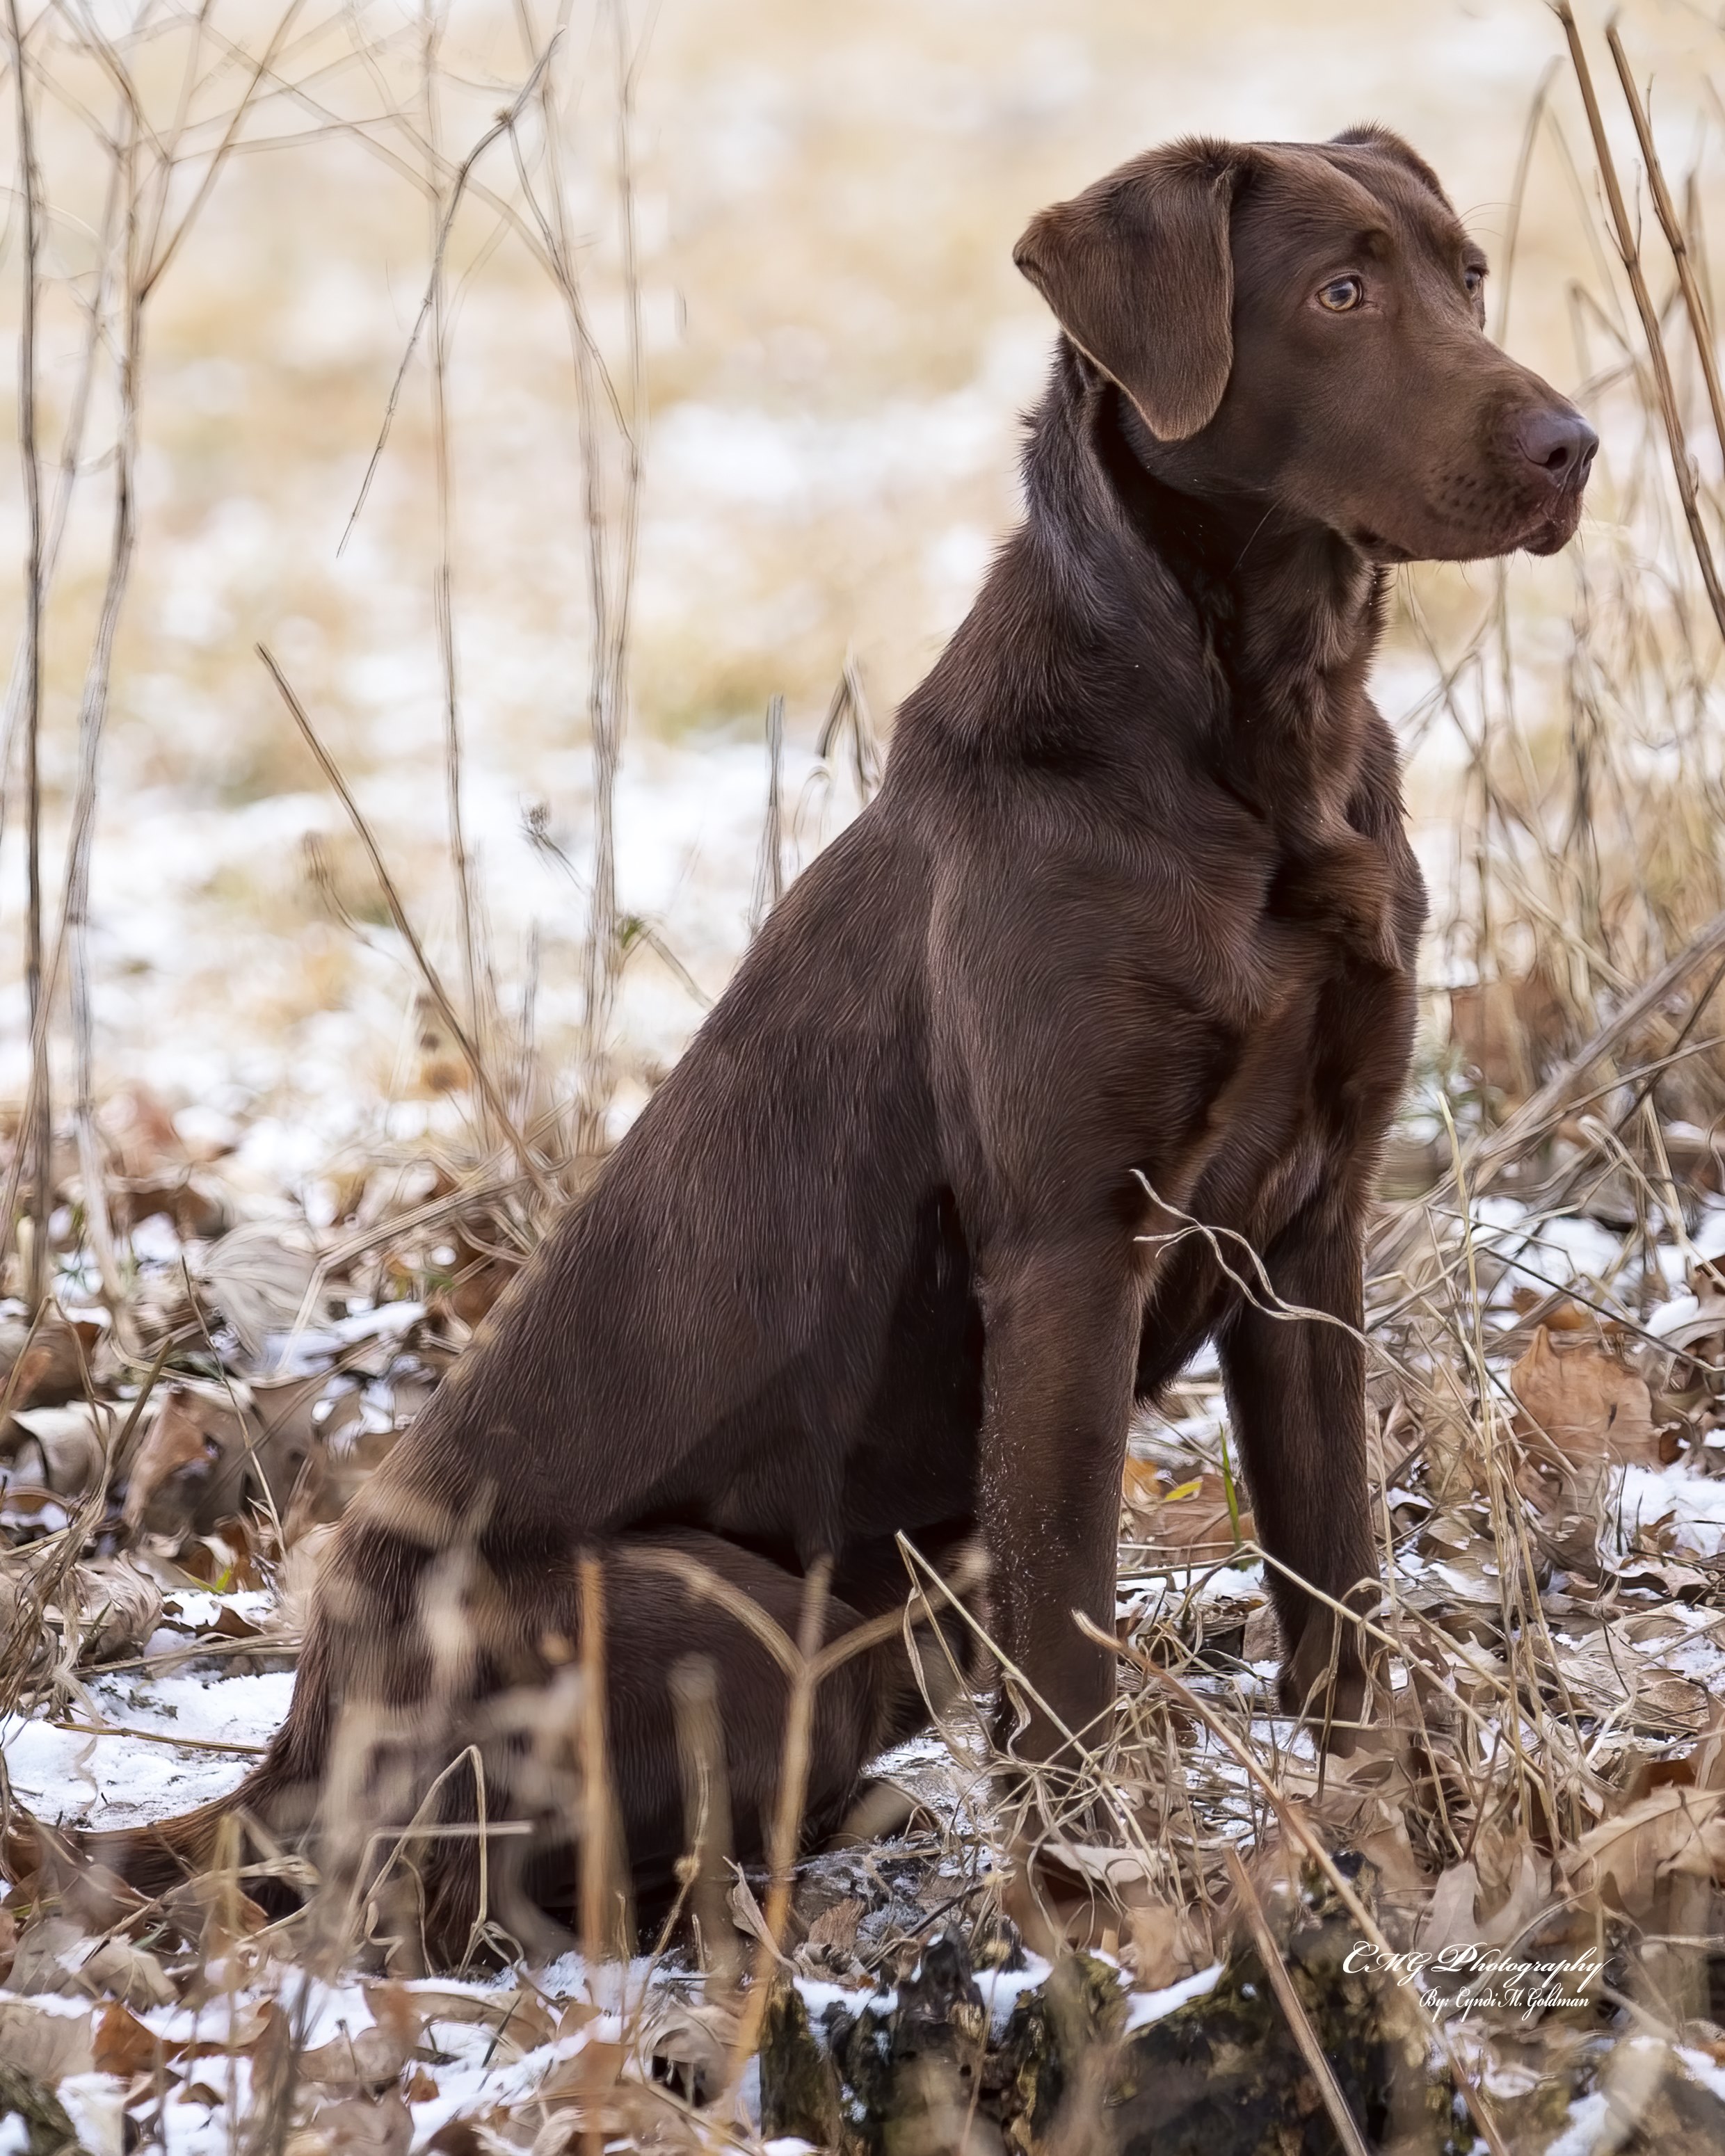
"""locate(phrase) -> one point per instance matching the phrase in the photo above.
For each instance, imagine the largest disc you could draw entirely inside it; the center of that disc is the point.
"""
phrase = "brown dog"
(1126, 941)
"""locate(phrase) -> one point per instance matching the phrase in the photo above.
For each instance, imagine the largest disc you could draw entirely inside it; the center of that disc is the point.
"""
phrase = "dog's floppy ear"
(1138, 272)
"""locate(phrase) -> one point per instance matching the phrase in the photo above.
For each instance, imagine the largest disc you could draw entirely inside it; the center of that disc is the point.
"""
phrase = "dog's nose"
(1561, 443)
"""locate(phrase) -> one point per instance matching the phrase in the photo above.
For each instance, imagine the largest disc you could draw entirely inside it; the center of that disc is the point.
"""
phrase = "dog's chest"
(1300, 766)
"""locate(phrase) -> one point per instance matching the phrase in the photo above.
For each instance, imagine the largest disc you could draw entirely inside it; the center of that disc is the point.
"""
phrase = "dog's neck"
(1289, 609)
(1285, 613)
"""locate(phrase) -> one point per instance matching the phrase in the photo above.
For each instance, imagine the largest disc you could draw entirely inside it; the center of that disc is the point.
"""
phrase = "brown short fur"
(1128, 935)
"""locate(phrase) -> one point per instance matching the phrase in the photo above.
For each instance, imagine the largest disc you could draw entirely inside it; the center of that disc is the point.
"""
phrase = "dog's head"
(1304, 326)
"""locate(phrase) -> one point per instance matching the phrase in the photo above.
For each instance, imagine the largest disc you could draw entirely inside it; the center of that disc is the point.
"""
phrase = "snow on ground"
(70, 1777)
(214, 1002)
(1693, 1503)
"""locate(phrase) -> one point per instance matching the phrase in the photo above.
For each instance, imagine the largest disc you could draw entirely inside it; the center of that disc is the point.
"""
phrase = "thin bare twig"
(443, 595)
(786, 1818)
(74, 927)
(530, 1163)
(769, 868)
(66, 477)
(1629, 250)
(35, 1138)
(503, 125)
(1518, 195)
(1675, 239)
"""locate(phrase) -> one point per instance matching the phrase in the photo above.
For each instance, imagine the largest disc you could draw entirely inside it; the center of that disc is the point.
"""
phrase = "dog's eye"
(1342, 294)
(1474, 277)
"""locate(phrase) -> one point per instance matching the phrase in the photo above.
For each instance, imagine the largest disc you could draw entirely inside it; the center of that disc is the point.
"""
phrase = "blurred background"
(683, 350)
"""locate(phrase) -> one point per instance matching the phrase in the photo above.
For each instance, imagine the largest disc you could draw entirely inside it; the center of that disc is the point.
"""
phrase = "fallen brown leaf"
(360, 2059)
(836, 1926)
(48, 1367)
(1584, 1404)
(1625, 1858)
(130, 1973)
(693, 2042)
(456, 2136)
(1163, 1944)
(47, 2036)
(188, 1470)
(522, 2021)
(71, 1444)
(123, 2045)
(1189, 1522)
(1563, 1315)
(1076, 1896)
(1450, 1918)
(112, 1604)
(1670, 1702)
(596, 2068)
(364, 2126)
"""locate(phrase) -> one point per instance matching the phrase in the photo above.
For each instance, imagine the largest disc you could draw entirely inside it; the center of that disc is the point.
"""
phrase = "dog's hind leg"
(677, 1602)
(683, 1597)
(431, 1809)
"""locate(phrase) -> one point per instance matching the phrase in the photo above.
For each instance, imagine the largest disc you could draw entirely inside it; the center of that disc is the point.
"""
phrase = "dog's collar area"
(1254, 576)
(1213, 540)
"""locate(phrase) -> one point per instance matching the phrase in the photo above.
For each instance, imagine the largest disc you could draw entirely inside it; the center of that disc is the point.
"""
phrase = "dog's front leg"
(1062, 1323)
(1297, 1388)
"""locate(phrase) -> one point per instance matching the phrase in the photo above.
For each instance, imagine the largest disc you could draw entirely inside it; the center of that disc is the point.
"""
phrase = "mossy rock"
(47, 2130)
(799, 2093)
(1220, 2076)
(1059, 2051)
(1224, 2076)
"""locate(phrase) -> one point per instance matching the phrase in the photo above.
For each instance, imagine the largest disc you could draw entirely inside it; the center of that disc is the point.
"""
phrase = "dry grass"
(1544, 1769)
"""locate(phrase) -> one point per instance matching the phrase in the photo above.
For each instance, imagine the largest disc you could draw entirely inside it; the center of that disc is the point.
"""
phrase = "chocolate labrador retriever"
(1125, 943)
